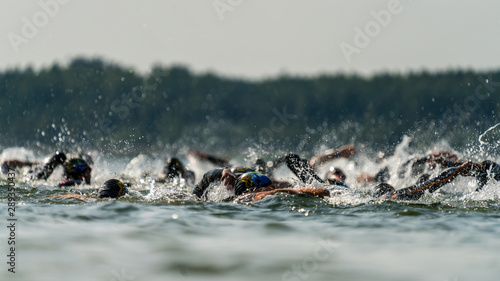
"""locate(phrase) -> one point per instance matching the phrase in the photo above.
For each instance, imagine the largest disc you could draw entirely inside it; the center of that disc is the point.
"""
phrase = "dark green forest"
(90, 102)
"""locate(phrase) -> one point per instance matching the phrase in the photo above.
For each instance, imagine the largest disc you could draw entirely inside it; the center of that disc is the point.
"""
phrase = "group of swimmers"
(258, 181)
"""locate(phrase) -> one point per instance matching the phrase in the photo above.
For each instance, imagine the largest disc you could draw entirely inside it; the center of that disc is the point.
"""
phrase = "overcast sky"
(255, 38)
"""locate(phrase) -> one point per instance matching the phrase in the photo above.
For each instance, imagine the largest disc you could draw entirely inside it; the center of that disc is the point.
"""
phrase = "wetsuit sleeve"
(47, 170)
(414, 192)
(300, 167)
(208, 178)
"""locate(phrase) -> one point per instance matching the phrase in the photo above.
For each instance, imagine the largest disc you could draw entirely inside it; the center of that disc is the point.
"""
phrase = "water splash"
(489, 146)
(481, 136)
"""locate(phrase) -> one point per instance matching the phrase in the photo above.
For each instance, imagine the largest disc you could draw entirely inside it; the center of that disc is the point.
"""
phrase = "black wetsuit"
(72, 176)
(209, 177)
(56, 160)
(300, 167)
(492, 170)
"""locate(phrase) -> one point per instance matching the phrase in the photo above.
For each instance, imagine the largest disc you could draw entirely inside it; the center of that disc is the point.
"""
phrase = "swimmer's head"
(77, 169)
(382, 189)
(250, 181)
(112, 189)
(335, 174)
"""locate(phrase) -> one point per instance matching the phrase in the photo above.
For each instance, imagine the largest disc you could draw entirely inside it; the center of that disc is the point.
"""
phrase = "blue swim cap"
(251, 180)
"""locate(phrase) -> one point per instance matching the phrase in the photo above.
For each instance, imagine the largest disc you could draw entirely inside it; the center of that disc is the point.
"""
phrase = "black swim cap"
(382, 189)
(112, 189)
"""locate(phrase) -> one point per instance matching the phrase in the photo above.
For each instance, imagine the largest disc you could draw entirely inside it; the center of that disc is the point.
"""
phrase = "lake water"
(159, 233)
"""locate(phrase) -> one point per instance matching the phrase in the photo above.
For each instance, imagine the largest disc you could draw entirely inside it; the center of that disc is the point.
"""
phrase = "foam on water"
(160, 231)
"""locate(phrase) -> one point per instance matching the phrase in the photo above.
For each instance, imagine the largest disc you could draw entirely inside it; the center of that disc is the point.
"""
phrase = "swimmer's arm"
(72, 195)
(313, 191)
(444, 178)
(263, 194)
(218, 161)
(14, 163)
(345, 151)
(208, 178)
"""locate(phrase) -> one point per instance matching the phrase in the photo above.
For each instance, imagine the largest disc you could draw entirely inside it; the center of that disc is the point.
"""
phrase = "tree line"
(103, 104)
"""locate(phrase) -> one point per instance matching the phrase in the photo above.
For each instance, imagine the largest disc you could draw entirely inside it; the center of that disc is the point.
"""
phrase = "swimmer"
(112, 188)
(481, 171)
(336, 177)
(76, 170)
(249, 185)
(175, 169)
(442, 159)
(232, 180)
(301, 168)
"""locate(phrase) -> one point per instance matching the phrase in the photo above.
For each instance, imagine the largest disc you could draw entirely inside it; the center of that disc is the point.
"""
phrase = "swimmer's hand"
(228, 179)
